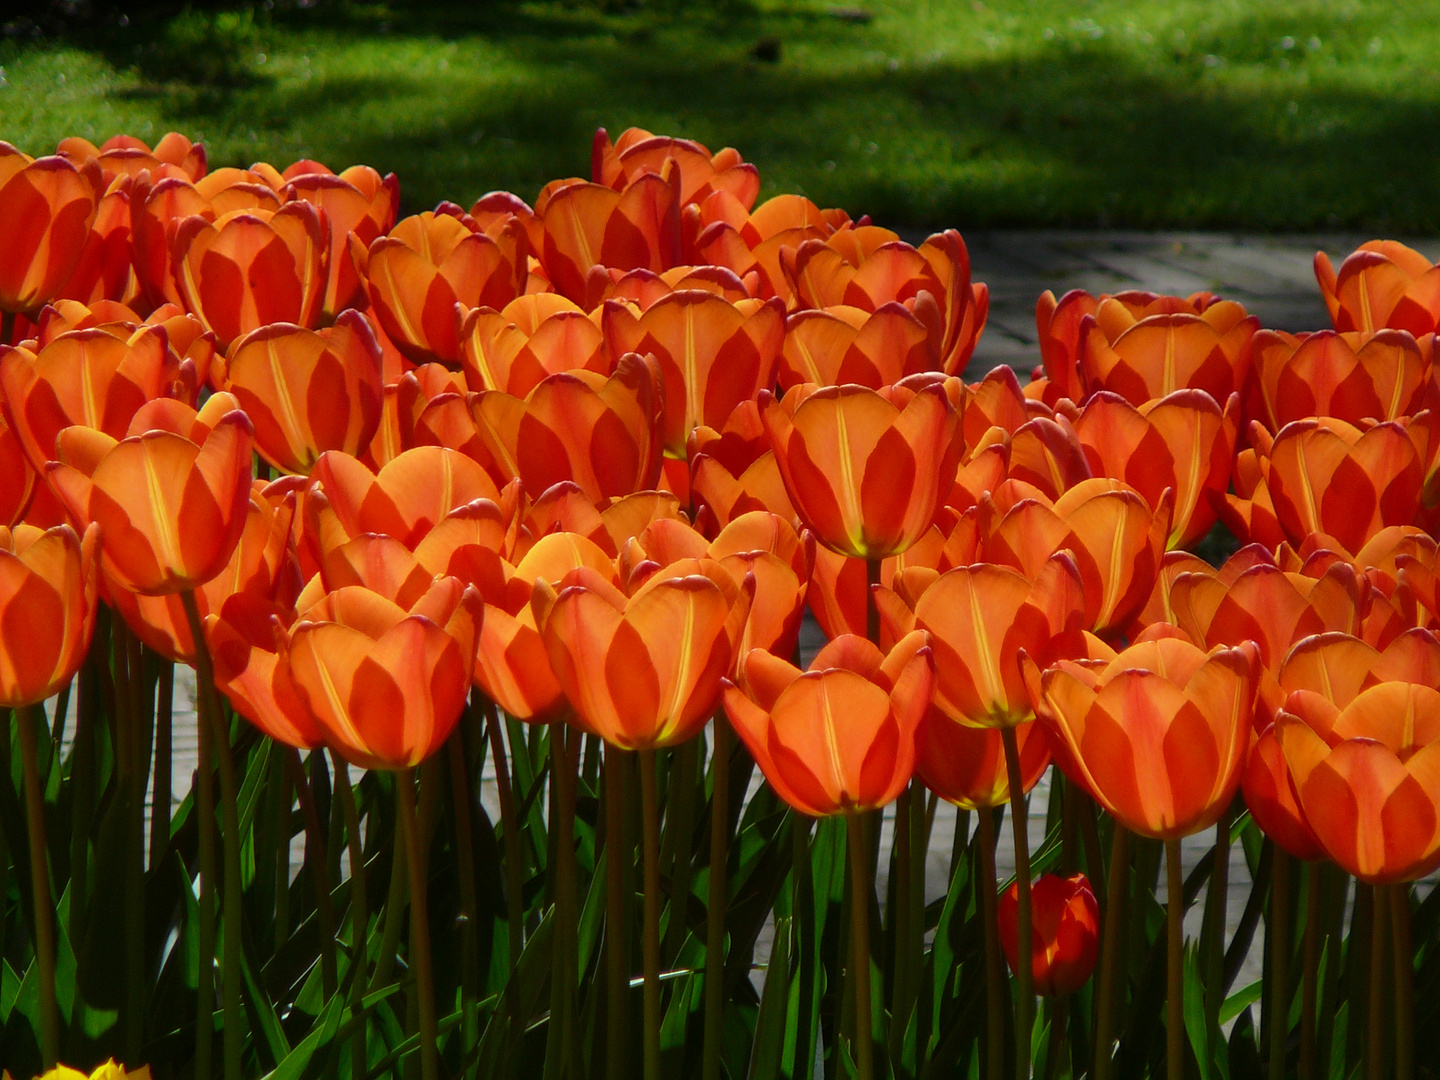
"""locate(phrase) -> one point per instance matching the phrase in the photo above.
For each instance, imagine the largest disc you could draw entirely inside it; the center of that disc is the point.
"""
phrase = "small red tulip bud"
(1065, 932)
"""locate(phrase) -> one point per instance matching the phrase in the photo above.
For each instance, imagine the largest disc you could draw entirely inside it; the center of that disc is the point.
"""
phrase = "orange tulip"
(645, 288)
(1065, 933)
(643, 671)
(724, 232)
(602, 434)
(733, 471)
(170, 497)
(48, 589)
(17, 478)
(1327, 476)
(1367, 773)
(245, 638)
(638, 152)
(998, 401)
(867, 267)
(357, 203)
(249, 268)
(980, 618)
(1115, 536)
(839, 587)
(843, 344)
(1156, 735)
(125, 155)
(1382, 283)
(533, 336)
(840, 736)
(1046, 454)
(566, 508)
(1351, 377)
(192, 345)
(589, 225)
(307, 391)
(866, 469)
(1183, 442)
(46, 208)
(1271, 798)
(965, 765)
(104, 270)
(711, 354)
(415, 275)
(386, 683)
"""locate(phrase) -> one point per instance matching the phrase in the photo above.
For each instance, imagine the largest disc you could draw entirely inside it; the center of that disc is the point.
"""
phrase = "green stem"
(994, 963)
(510, 827)
(1277, 934)
(1310, 986)
(617, 922)
(1175, 965)
(40, 887)
(359, 907)
(649, 817)
(394, 907)
(1024, 975)
(1379, 945)
(205, 824)
(419, 926)
(465, 845)
(1111, 987)
(715, 909)
(860, 942)
(1216, 898)
(1059, 1043)
(233, 1026)
(317, 857)
(164, 738)
(1404, 981)
(561, 1038)
(900, 960)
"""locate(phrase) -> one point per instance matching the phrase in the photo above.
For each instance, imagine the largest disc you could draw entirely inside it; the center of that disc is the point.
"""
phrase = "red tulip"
(1065, 932)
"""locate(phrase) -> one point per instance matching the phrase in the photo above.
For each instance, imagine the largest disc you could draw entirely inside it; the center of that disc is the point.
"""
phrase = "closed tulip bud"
(965, 765)
(1156, 735)
(357, 203)
(638, 152)
(1065, 932)
(1383, 283)
(307, 391)
(840, 736)
(170, 497)
(866, 469)
(386, 683)
(588, 226)
(48, 590)
(512, 350)
(47, 206)
(711, 354)
(643, 671)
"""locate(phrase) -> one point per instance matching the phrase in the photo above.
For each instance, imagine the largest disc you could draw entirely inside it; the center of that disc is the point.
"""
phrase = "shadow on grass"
(1065, 135)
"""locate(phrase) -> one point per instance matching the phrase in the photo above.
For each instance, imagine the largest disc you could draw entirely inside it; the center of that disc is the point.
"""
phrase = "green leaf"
(1240, 1000)
(770, 1025)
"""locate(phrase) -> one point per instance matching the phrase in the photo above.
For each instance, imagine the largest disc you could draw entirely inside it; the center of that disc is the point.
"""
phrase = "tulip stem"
(359, 908)
(561, 1037)
(40, 886)
(1379, 946)
(649, 815)
(465, 844)
(872, 609)
(860, 942)
(994, 965)
(1277, 933)
(160, 800)
(1111, 988)
(419, 926)
(1310, 986)
(1024, 974)
(1404, 981)
(715, 909)
(317, 857)
(617, 945)
(514, 872)
(1175, 940)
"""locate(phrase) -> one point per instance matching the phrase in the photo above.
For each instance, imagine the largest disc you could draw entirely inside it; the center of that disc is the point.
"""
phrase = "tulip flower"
(307, 391)
(46, 208)
(125, 155)
(104, 270)
(1046, 454)
(358, 204)
(674, 638)
(965, 765)
(533, 336)
(588, 226)
(1381, 284)
(638, 152)
(1156, 735)
(249, 268)
(849, 345)
(17, 478)
(427, 264)
(170, 497)
(866, 469)
(840, 587)
(1352, 377)
(1271, 799)
(602, 434)
(733, 470)
(645, 288)
(721, 231)
(386, 683)
(998, 401)
(48, 589)
(108, 1071)
(711, 354)
(1117, 540)
(840, 736)
(1065, 933)
(1183, 442)
(868, 267)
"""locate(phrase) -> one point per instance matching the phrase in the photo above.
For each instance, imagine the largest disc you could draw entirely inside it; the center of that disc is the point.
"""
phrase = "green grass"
(1187, 113)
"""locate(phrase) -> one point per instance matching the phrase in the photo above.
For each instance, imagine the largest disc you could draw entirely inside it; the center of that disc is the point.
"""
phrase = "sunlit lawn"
(1189, 113)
